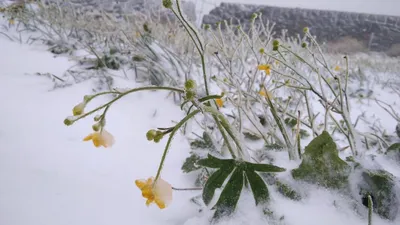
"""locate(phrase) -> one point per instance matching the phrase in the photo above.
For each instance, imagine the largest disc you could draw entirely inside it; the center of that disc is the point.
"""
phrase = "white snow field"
(49, 176)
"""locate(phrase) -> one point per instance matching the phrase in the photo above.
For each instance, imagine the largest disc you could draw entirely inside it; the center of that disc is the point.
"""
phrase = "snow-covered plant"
(254, 87)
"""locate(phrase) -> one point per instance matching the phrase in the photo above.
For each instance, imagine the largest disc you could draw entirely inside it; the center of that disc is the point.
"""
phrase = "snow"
(49, 176)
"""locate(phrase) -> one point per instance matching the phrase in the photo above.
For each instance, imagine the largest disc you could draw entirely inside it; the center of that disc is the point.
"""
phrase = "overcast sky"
(387, 7)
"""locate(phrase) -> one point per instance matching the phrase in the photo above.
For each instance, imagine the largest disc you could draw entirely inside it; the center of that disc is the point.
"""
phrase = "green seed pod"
(262, 50)
(275, 48)
(306, 30)
(275, 43)
(304, 45)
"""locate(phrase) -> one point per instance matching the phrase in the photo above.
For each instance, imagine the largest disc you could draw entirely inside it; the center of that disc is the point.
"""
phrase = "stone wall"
(376, 32)
(118, 7)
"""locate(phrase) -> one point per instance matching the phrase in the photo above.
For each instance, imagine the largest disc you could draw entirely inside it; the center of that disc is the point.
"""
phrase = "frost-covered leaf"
(215, 181)
(190, 163)
(258, 187)
(229, 198)
(273, 147)
(205, 143)
(394, 147)
(251, 136)
(213, 162)
(264, 168)
(287, 191)
(322, 165)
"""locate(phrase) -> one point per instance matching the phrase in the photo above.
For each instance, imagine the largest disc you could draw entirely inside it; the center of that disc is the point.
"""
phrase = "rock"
(374, 32)
(321, 164)
(382, 188)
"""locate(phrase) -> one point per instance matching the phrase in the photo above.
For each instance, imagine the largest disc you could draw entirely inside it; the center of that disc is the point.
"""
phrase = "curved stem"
(122, 95)
(176, 128)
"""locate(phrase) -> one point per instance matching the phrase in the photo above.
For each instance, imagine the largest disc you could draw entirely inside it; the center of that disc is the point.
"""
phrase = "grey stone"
(376, 32)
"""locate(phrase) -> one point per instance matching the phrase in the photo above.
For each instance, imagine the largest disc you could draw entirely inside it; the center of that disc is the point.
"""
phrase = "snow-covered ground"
(49, 176)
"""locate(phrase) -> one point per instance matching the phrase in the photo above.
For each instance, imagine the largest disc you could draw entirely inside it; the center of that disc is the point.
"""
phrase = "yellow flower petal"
(266, 68)
(219, 102)
(102, 138)
(337, 68)
(160, 203)
(159, 192)
(88, 138)
(265, 93)
(140, 184)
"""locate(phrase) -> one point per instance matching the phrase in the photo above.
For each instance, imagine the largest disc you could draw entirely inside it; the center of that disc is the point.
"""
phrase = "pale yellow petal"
(88, 138)
(107, 139)
(160, 203)
(140, 183)
(163, 191)
(219, 102)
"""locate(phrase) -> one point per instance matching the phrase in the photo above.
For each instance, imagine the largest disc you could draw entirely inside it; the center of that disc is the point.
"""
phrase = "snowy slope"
(48, 176)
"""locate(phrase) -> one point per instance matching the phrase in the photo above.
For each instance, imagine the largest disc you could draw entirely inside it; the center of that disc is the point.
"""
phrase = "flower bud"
(97, 118)
(275, 43)
(304, 45)
(167, 3)
(262, 50)
(150, 135)
(190, 84)
(96, 127)
(306, 30)
(190, 95)
(78, 109)
(159, 135)
(69, 121)
(87, 98)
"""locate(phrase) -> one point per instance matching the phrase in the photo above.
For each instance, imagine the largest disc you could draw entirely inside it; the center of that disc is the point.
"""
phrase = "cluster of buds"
(190, 89)
(158, 134)
(275, 45)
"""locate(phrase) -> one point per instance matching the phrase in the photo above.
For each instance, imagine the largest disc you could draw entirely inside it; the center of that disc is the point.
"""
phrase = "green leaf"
(264, 168)
(291, 122)
(229, 198)
(251, 136)
(258, 187)
(273, 147)
(205, 143)
(394, 147)
(190, 163)
(213, 162)
(215, 181)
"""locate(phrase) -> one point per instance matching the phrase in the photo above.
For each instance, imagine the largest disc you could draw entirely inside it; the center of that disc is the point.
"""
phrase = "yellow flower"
(11, 21)
(337, 68)
(219, 102)
(265, 93)
(266, 68)
(159, 192)
(102, 138)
